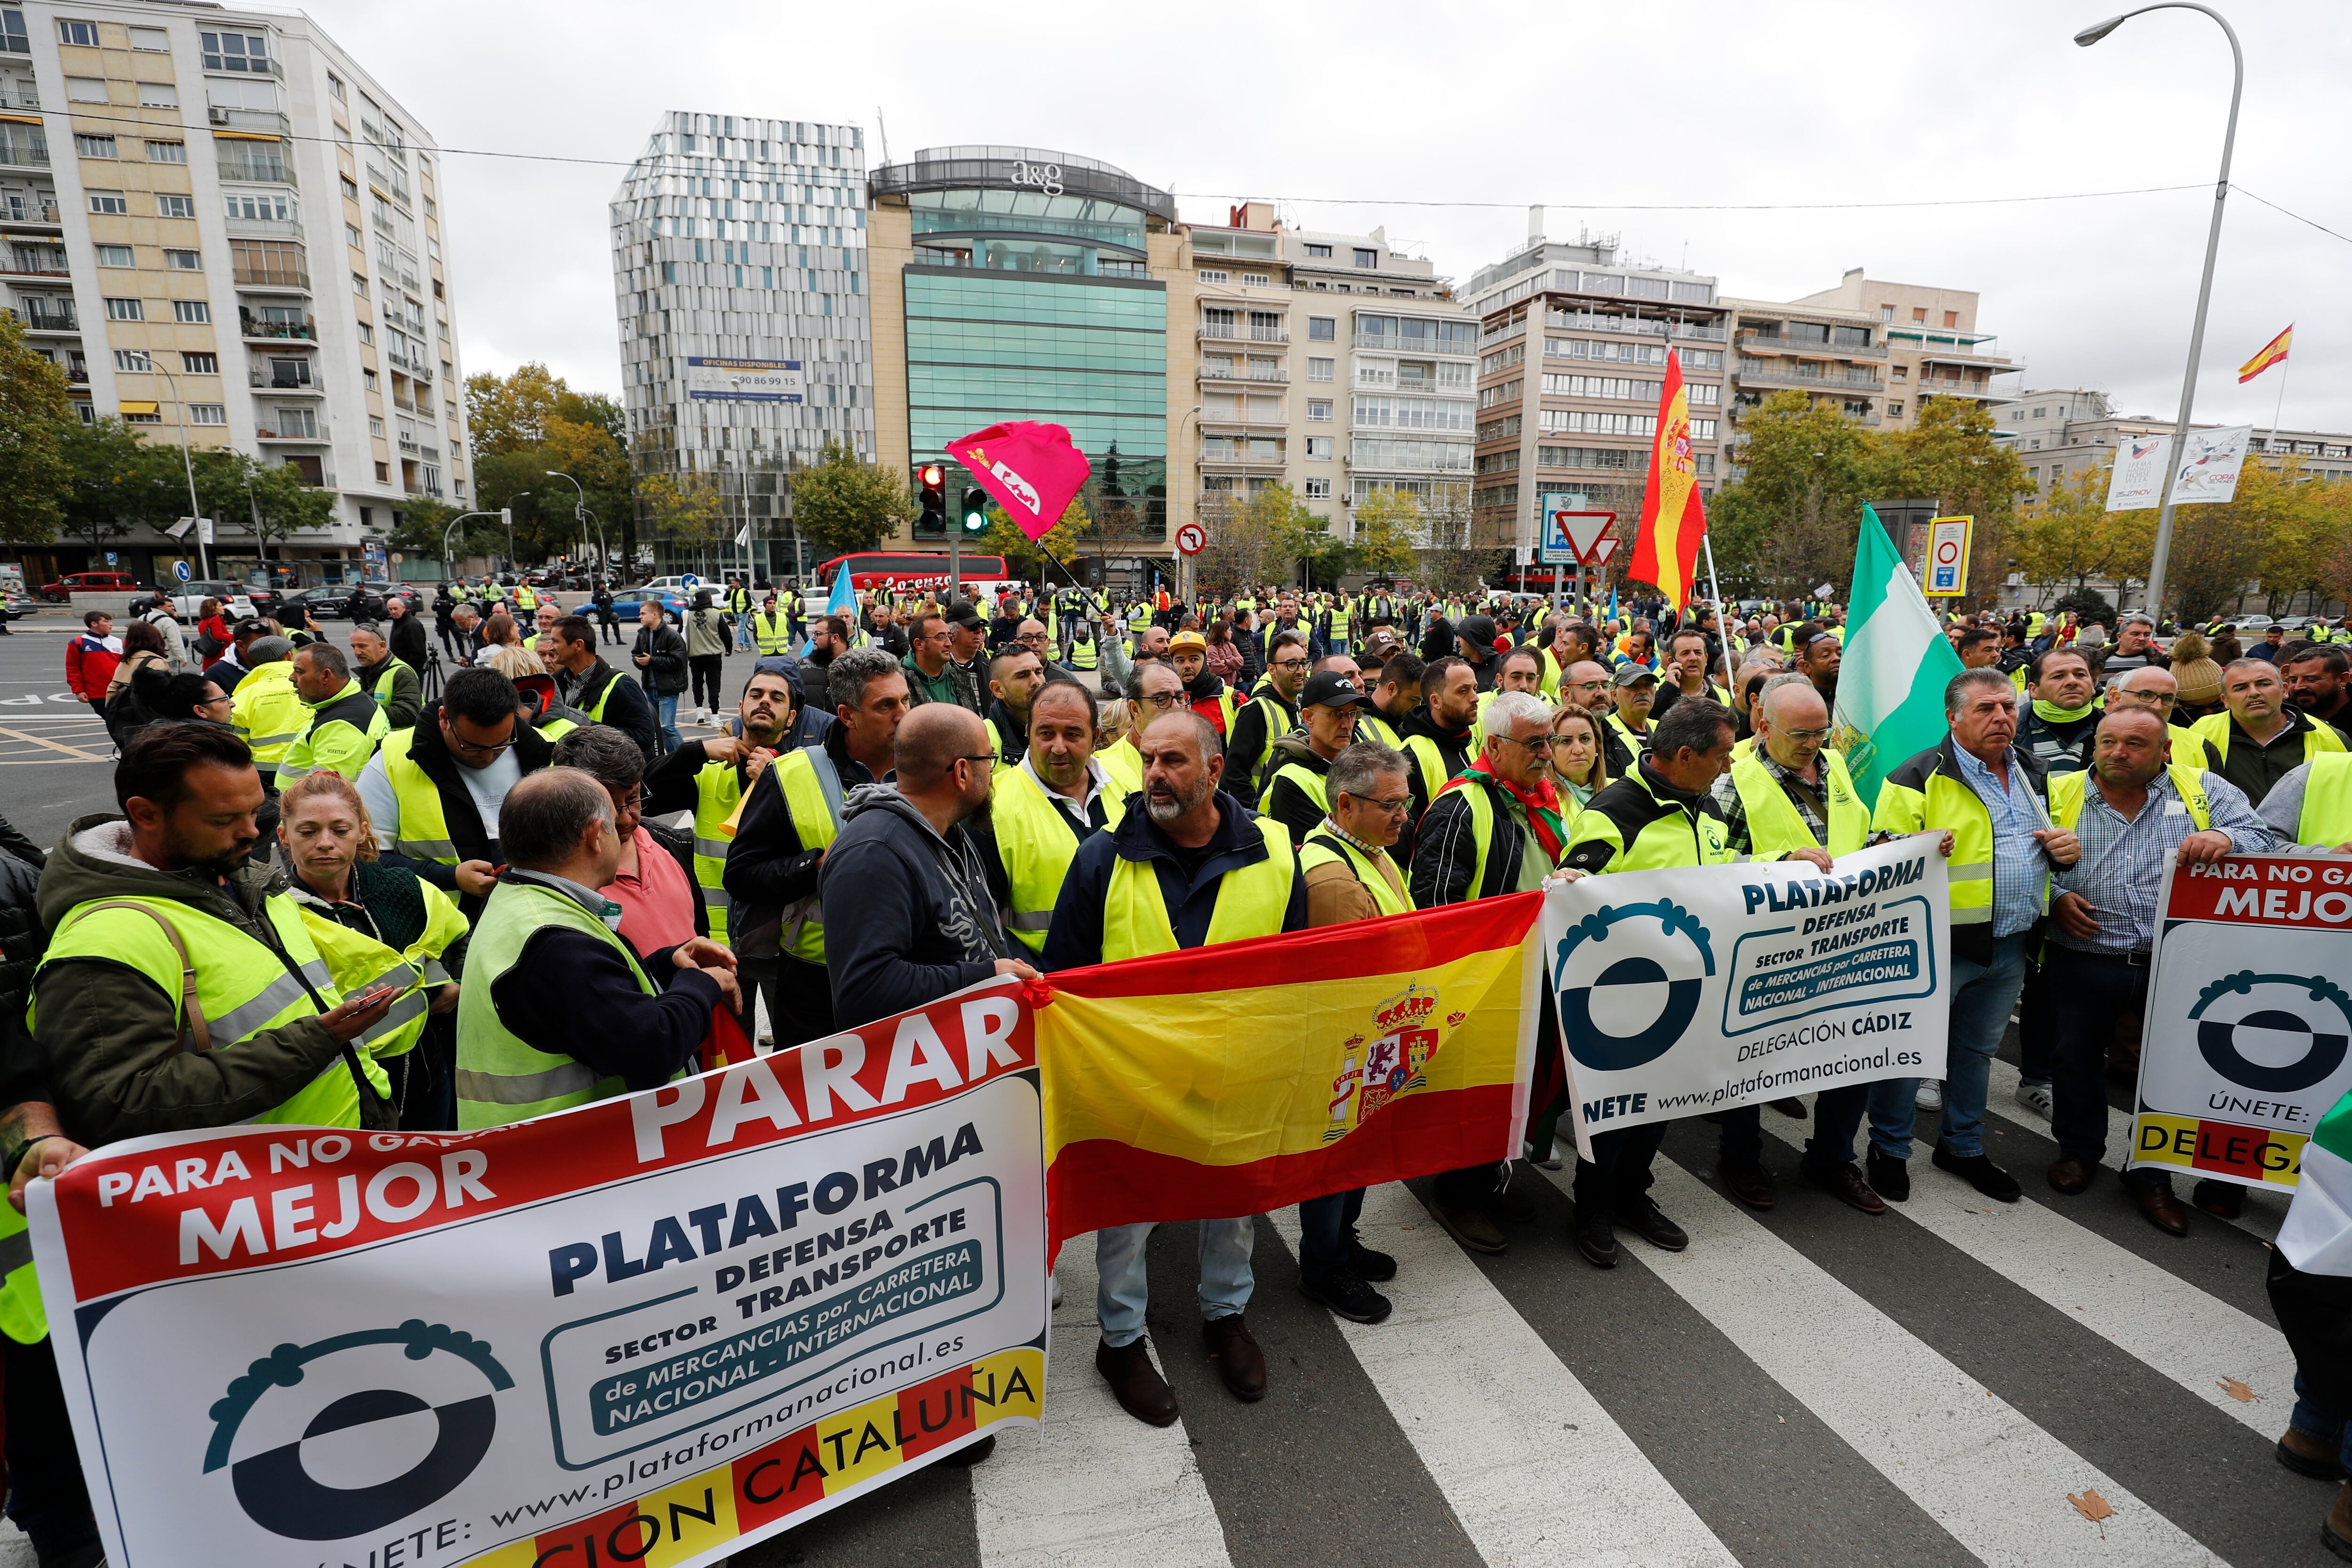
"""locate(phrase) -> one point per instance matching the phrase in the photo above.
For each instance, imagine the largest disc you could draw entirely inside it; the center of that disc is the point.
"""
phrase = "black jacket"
(909, 917)
(22, 940)
(666, 674)
(767, 867)
(1456, 748)
(407, 636)
(1445, 849)
(1282, 799)
(627, 708)
(533, 752)
(1076, 938)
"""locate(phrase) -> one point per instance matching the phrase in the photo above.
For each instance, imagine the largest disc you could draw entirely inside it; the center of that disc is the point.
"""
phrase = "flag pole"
(1722, 627)
(2278, 407)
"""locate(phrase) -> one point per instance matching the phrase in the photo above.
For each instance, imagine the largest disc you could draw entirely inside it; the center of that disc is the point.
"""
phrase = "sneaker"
(1594, 1235)
(1365, 1264)
(2034, 1096)
(1641, 1216)
(1347, 1296)
(1929, 1095)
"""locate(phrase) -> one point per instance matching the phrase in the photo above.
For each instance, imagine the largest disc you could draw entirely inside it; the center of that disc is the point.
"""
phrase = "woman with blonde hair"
(377, 925)
(512, 660)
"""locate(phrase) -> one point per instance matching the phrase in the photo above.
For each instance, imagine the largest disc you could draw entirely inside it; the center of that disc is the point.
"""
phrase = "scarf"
(2051, 714)
(1542, 805)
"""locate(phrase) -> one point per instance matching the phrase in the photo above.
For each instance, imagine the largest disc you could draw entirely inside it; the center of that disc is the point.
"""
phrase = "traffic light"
(975, 510)
(934, 518)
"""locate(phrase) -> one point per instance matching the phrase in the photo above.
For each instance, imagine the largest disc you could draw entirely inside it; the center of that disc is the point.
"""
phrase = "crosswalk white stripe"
(1994, 1479)
(2144, 1311)
(1533, 1466)
(1092, 1484)
(2265, 1207)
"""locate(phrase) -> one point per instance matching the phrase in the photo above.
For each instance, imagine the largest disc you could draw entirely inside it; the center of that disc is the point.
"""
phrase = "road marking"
(1092, 1484)
(2143, 1309)
(1532, 1465)
(1975, 1464)
(75, 752)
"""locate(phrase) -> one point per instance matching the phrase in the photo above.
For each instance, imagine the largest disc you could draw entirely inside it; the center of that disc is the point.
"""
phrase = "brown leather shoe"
(2308, 1456)
(1239, 1360)
(1845, 1183)
(2070, 1175)
(2160, 1207)
(2335, 1529)
(1474, 1228)
(1752, 1185)
(1137, 1384)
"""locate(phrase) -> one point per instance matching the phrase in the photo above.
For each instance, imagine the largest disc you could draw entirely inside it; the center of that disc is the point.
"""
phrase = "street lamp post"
(449, 562)
(581, 514)
(195, 512)
(2085, 38)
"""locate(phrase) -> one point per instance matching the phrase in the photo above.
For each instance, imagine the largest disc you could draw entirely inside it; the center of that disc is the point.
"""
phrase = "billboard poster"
(709, 380)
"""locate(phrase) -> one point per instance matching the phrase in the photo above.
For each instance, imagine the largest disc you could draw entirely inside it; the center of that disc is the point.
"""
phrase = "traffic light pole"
(955, 561)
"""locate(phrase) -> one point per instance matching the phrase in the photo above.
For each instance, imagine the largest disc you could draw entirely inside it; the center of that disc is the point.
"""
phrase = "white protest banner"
(1687, 991)
(2136, 482)
(2248, 1040)
(2210, 464)
(651, 1330)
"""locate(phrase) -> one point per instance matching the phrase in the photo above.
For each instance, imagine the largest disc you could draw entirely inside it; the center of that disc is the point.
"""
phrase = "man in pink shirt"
(660, 907)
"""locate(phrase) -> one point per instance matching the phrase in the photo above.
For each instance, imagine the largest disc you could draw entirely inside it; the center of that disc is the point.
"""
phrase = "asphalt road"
(54, 753)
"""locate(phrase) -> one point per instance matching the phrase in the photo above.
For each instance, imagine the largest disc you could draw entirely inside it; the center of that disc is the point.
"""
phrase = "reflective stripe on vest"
(718, 789)
(1307, 780)
(360, 963)
(816, 818)
(355, 711)
(1774, 824)
(1947, 804)
(2326, 802)
(1670, 840)
(2068, 791)
(1251, 900)
(1086, 655)
(22, 1317)
(1037, 850)
(2317, 741)
(423, 832)
(771, 633)
(382, 691)
(268, 712)
(1323, 849)
(501, 1078)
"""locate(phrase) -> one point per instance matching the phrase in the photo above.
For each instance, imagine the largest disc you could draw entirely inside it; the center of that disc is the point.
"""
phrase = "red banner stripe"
(1398, 945)
(1101, 1183)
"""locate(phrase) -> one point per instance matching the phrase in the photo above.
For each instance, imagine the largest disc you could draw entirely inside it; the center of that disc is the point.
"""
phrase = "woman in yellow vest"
(1579, 768)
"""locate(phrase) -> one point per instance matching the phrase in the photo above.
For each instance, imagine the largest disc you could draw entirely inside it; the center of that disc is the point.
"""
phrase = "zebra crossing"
(2043, 1385)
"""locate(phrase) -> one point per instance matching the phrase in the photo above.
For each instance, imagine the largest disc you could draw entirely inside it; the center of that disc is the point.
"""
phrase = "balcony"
(265, 227)
(1227, 333)
(266, 119)
(1241, 422)
(1803, 373)
(266, 169)
(33, 264)
(275, 380)
(1760, 342)
(40, 211)
(1700, 331)
(312, 432)
(20, 151)
(272, 279)
(1211, 458)
(1977, 391)
(1256, 378)
(60, 319)
(253, 329)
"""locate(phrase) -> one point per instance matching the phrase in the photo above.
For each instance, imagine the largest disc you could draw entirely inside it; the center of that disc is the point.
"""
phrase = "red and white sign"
(1191, 539)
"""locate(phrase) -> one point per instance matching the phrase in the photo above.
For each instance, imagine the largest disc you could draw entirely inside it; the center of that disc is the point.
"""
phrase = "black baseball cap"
(1330, 689)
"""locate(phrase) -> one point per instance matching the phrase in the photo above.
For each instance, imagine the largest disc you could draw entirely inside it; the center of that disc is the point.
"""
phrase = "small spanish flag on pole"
(2273, 352)
(1672, 522)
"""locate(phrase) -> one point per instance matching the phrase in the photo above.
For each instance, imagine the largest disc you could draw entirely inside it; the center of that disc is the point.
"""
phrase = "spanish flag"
(1673, 521)
(2273, 352)
(1243, 1078)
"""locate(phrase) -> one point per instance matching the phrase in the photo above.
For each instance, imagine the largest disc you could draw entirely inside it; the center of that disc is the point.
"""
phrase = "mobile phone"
(369, 998)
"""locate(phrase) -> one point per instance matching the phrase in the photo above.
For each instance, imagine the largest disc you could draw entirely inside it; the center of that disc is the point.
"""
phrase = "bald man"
(908, 914)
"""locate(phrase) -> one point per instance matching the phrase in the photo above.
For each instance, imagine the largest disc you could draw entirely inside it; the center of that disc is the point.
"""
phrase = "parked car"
(188, 599)
(61, 591)
(629, 602)
(365, 601)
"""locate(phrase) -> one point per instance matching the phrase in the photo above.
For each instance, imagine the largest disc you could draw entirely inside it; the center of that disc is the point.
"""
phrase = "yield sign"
(1586, 531)
(1602, 549)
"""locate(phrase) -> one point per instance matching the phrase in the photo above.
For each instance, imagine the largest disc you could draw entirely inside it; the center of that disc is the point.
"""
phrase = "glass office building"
(1027, 293)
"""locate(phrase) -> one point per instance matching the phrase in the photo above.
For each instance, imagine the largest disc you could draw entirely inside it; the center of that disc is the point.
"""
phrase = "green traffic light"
(975, 511)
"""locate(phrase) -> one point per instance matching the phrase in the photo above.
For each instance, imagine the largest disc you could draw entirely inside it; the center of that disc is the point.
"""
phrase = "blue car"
(629, 603)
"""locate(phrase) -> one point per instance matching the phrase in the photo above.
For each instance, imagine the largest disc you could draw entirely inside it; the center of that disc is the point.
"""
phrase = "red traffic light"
(932, 476)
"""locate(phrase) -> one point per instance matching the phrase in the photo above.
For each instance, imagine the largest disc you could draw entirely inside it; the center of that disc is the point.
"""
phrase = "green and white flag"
(1890, 696)
(2318, 1235)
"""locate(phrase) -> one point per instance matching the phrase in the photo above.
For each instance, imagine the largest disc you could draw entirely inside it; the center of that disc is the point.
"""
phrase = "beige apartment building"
(1933, 348)
(2057, 432)
(1573, 340)
(1833, 356)
(227, 231)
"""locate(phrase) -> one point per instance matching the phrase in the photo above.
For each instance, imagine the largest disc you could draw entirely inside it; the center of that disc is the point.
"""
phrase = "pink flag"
(1030, 468)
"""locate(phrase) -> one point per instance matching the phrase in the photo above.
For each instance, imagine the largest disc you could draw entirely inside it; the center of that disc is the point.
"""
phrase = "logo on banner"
(1630, 977)
(1404, 1037)
(2257, 1030)
(322, 1395)
(1020, 488)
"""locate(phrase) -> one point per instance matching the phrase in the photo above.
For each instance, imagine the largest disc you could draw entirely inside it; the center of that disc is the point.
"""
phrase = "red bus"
(909, 569)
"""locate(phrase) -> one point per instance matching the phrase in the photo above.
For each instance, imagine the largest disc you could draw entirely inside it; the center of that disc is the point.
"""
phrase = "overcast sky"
(1352, 114)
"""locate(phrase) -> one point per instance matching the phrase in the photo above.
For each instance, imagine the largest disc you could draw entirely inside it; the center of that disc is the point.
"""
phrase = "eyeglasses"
(1808, 737)
(989, 757)
(1290, 664)
(1538, 746)
(1164, 700)
(1393, 807)
(472, 750)
(2150, 698)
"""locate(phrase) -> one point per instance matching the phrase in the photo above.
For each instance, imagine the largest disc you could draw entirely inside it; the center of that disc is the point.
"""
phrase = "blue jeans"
(666, 705)
(1123, 1292)
(743, 643)
(1983, 996)
(2313, 1418)
(1326, 1226)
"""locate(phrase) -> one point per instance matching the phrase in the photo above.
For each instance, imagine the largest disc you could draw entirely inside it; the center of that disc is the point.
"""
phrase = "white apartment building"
(740, 274)
(1298, 328)
(227, 229)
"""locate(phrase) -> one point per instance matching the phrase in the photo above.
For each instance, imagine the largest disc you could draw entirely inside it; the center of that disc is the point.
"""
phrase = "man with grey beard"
(1195, 866)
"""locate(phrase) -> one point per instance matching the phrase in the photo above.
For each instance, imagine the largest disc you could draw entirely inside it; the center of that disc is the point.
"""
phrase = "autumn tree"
(1388, 523)
(34, 413)
(1025, 557)
(2219, 548)
(682, 509)
(2068, 538)
(530, 423)
(842, 503)
(1790, 520)
(1951, 455)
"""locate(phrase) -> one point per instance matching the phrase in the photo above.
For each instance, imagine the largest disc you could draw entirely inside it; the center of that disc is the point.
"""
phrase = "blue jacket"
(1076, 938)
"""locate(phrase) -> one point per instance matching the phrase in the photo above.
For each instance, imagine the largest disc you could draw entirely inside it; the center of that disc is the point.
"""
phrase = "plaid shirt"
(2122, 869)
(1735, 810)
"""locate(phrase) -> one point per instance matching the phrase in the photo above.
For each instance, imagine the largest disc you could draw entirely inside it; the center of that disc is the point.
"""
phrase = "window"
(1207, 277)
(167, 152)
(125, 310)
(384, 473)
(367, 333)
(235, 52)
(1319, 250)
(1366, 258)
(184, 261)
(82, 33)
(352, 236)
(132, 359)
(158, 95)
(1703, 394)
(1886, 312)
(194, 313)
(175, 207)
(375, 427)
(351, 189)
(116, 255)
(199, 364)
(2033, 474)
(359, 284)
(94, 146)
(85, 89)
(108, 202)
(367, 380)
(335, 86)
(1319, 410)
(154, 41)
(1253, 280)
(1951, 317)
(1319, 369)
(142, 413)
(1323, 328)
(13, 38)
(207, 414)
(1894, 410)
(259, 208)
(1319, 447)
(1318, 490)
(1919, 313)
(1899, 372)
